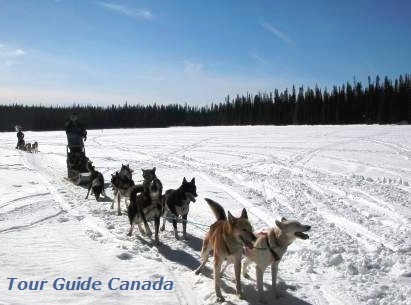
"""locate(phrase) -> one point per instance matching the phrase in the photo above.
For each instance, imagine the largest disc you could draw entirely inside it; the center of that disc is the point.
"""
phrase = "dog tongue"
(301, 235)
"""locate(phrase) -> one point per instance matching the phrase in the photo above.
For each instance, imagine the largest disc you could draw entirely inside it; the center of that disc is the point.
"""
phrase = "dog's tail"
(133, 208)
(217, 209)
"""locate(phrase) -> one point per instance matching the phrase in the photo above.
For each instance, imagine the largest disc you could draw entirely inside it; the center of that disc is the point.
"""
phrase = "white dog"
(270, 247)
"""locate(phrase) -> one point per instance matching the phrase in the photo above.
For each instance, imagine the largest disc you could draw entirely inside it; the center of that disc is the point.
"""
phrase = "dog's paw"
(220, 299)
(241, 295)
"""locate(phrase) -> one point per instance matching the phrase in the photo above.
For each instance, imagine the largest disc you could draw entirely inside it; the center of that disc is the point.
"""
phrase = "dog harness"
(273, 253)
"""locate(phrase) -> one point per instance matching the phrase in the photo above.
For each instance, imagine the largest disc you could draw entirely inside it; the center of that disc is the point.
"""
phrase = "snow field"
(350, 183)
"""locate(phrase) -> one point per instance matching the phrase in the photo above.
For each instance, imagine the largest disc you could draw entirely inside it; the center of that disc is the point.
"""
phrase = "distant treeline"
(380, 101)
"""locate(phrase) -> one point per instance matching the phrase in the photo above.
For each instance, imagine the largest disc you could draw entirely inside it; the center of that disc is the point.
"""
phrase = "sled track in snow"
(52, 178)
(346, 211)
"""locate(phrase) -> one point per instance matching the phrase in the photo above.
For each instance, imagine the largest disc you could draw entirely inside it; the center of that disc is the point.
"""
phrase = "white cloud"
(131, 12)
(279, 34)
(9, 56)
(260, 59)
(192, 68)
(17, 52)
(8, 52)
(49, 79)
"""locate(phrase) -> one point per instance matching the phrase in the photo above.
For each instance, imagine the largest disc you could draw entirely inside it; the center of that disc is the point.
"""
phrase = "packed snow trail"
(350, 183)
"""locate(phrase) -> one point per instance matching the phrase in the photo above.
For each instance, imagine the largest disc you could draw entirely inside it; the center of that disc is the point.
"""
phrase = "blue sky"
(195, 52)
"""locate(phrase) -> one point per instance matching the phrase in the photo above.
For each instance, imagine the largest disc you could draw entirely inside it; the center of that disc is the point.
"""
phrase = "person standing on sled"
(75, 133)
(76, 155)
(20, 141)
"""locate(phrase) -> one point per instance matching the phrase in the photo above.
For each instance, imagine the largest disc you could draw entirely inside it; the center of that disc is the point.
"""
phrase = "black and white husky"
(122, 183)
(147, 205)
(177, 203)
(96, 182)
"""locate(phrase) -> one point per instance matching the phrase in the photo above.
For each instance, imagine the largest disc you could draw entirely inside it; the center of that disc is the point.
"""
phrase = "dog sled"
(21, 144)
(77, 161)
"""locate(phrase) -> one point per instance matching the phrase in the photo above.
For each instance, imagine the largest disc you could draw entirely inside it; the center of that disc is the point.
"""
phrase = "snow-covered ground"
(352, 184)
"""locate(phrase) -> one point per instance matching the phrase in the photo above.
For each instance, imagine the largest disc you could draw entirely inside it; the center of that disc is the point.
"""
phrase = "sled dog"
(177, 203)
(122, 186)
(226, 237)
(270, 247)
(146, 206)
(35, 147)
(126, 173)
(96, 182)
(148, 176)
(28, 147)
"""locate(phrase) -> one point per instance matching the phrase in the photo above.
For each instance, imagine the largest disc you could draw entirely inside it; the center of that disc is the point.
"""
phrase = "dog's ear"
(244, 214)
(279, 224)
(231, 218)
(184, 180)
(193, 181)
(142, 170)
(154, 169)
(283, 219)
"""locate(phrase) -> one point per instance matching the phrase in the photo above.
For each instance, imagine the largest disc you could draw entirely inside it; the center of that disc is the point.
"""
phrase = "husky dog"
(148, 175)
(35, 147)
(122, 186)
(226, 237)
(146, 206)
(177, 203)
(96, 181)
(28, 147)
(126, 172)
(270, 247)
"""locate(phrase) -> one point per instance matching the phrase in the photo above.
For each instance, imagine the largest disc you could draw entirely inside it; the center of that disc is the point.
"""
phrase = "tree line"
(379, 102)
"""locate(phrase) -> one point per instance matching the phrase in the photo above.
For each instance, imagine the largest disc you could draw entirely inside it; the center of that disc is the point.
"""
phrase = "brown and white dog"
(226, 237)
(35, 147)
(269, 249)
(28, 147)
